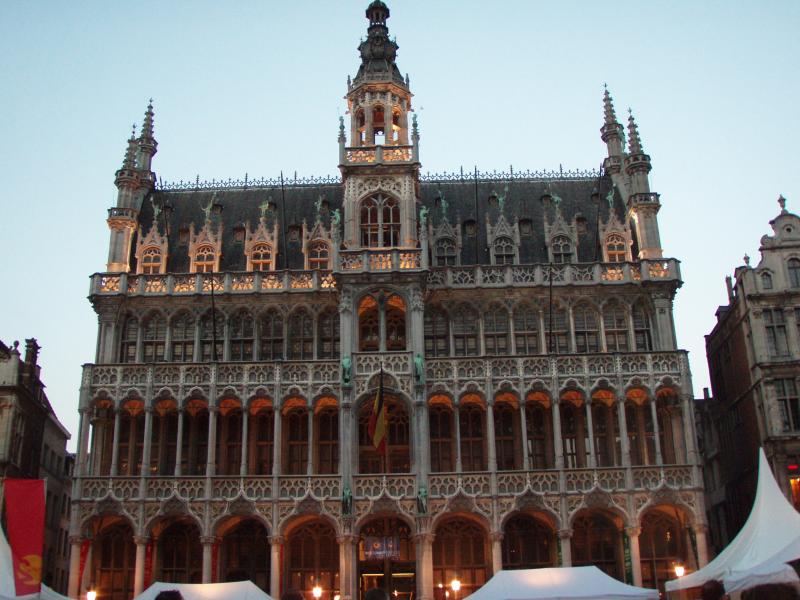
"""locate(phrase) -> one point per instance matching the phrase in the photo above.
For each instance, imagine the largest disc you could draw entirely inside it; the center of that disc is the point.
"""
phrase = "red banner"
(148, 564)
(85, 545)
(25, 506)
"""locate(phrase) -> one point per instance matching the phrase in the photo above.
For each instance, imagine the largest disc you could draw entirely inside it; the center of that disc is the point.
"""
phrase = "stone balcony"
(372, 155)
(380, 260)
(400, 486)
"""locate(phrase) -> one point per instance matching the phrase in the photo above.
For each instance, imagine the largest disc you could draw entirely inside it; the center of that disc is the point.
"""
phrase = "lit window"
(318, 255)
(562, 249)
(261, 257)
(615, 248)
(204, 260)
(151, 261)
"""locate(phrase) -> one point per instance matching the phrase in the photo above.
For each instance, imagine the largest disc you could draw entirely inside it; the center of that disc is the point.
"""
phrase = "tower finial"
(129, 162)
(782, 204)
(147, 125)
(610, 116)
(147, 145)
(633, 135)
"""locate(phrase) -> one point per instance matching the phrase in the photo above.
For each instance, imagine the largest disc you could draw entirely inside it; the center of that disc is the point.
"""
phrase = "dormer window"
(204, 259)
(445, 252)
(380, 222)
(504, 251)
(561, 247)
(151, 261)
(615, 248)
(318, 253)
(261, 258)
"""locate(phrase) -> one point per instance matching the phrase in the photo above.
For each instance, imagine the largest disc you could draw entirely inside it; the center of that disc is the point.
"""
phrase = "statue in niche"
(265, 208)
(422, 500)
(347, 501)
(423, 217)
(318, 207)
(336, 219)
(501, 200)
(347, 366)
(419, 369)
(207, 209)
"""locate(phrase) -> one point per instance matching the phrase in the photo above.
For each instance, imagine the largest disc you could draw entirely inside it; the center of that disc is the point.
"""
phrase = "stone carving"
(419, 369)
(347, 370)
(422, 500)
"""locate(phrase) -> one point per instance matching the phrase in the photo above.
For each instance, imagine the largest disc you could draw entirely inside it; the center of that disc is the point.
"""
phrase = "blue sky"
(257, 87)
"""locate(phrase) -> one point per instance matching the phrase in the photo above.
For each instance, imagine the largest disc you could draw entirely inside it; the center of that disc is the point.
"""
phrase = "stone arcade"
(539, 410)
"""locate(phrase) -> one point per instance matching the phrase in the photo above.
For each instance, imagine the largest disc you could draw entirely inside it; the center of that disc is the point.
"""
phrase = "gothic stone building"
(539, 411)
(754, 361)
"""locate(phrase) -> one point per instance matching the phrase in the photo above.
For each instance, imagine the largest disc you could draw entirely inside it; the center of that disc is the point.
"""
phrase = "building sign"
(378, 548)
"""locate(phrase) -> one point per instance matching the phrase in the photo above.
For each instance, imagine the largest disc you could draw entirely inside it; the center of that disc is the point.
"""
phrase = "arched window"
(271, 335)
(301, 336)
(328, 441)
(212, 336)
(615, 248)
(318, 253)
(380, 222)
(180, 554)
(229, 440)
(398, 452)
(328, 334)
(641, 436)
(495, 330)
(606, 434)
(441, 437)
(793, 266)
(241, 336)
(460, 548)
(128, 339)
(506, 434)
(669, 416)
(113, 563)
(556, 327)
(573, 435)
(261, 257)
(164, 438)
(296, 435)
(504, 251)
(445, 252)
(437, 333)
(615, 324)
(465, 331)
(182, 341)
(313, 558)
(369, 337)
(151, 261)
(528, 544)
(586, 330)
(561, 247)
(378, 308)
(395, 323)
(131, 439)
(526, 329)
(154, 332)
(245, 554)
(539, 425)
(596, 541)
(194, 453)
(661, 546)
(766, 281)
(641, 328)
(204, 259)
(470, 422)
(262, 433)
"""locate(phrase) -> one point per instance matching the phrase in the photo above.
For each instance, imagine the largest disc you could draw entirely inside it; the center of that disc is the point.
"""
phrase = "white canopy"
(770, 536)
(566, 583)
(7, 589)
(241, 590)
(773, 571)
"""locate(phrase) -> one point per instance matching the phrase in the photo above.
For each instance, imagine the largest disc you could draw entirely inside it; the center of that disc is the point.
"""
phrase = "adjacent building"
(754, 361)
(33, 444)
(520, 326)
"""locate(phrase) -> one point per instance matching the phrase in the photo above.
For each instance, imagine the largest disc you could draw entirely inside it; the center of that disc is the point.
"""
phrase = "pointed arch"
(182, 331)
(241, 327)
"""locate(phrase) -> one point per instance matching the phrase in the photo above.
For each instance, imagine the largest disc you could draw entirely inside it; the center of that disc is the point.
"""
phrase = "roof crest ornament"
(782, 204)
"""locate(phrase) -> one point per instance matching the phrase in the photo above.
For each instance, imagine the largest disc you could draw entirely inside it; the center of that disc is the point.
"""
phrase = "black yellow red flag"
(377, 420)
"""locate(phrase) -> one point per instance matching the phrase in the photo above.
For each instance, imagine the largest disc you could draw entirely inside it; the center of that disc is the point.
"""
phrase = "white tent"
(773, 571)
(7, 590)
(241, 590)
(567, 583)
(771, 536)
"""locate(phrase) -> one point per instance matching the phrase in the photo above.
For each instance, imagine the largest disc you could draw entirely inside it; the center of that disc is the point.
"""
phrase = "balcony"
(371, 155)
(380, 260)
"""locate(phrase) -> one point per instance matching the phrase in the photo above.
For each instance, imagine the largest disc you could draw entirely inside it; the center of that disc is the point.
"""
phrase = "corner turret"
(613, 135)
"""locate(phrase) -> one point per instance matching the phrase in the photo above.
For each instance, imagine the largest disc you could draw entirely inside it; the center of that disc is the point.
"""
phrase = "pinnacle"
(633, 135)
(782, 204)
(129, 162)
(608, 107)
(147, 125)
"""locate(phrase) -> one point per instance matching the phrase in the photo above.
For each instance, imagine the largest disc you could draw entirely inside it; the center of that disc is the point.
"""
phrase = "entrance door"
(386, 559)
(396, 579)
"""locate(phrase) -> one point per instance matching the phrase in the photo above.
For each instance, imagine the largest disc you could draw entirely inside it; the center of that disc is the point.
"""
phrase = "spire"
(147, 144)
(129, 162)
(147, 126)
(612, 134)
(608, 107)
(378, 52)
(633, 135)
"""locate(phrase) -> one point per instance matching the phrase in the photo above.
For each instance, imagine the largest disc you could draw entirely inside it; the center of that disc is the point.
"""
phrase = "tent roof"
(572, 583)
(770, 533)
(241, 590)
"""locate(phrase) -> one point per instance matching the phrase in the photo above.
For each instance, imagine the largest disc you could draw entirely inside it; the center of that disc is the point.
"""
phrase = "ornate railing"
(129, 284)
(368, 155)
(380, 260)
(475, 276)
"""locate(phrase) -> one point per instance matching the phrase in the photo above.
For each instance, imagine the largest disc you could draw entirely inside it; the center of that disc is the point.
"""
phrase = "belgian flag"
(377, 420)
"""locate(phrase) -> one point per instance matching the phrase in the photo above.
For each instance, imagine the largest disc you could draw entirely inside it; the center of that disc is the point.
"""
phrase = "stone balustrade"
(370, 155)
(380, 260)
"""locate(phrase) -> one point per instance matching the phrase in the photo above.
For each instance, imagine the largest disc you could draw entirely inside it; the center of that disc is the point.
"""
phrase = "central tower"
(380, 169)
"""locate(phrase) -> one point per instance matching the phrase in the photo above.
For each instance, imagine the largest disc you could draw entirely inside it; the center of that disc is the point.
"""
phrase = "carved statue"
(156, 210)
(444, 204)
(422, 500)
(347, 366)
(347, 501)
(318, 207)
(501, 200)
(610, 198)
(336, 219)
(419, 369)
(207, 209)
(556, 200)
(423, 217)
(264, 207)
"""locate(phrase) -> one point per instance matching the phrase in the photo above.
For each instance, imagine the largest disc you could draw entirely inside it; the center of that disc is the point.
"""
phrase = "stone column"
(275, 545)
(387, 121)
(636, 559)
(276, 441)
(523, 428)
(347, 586)
(84, 425)
(115, 445)
(559, 446)
(148, 441)
(623, 433)
(245, 441)
(211, 453)
(701, 537)
(424, 547)
(564, 538)
(74, 588)
(664, 322)
(138, 573)
(490, 441)
(310, 453)
(497, 551)
(208, 542)
(656, 436)
(456, 416)
(179, 444)
(369, 126)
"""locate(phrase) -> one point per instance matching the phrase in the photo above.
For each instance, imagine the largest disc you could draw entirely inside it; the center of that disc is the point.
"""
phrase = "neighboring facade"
(754, 361)
(539, 410)
(33, 444)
